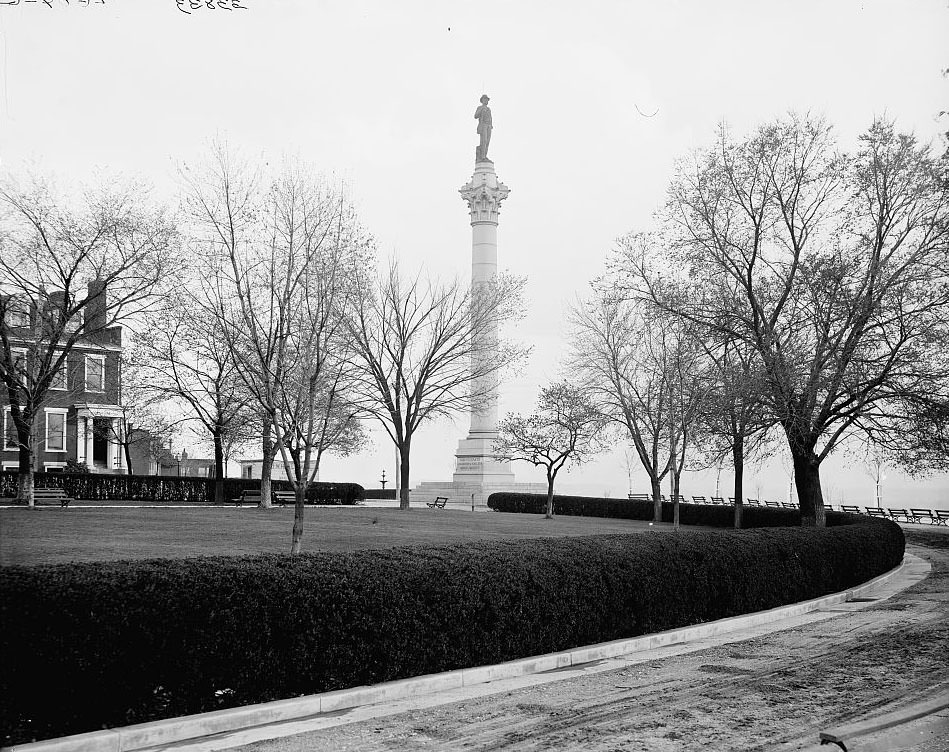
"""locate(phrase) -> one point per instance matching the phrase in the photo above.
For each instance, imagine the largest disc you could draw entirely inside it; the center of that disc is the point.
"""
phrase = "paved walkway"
(756, 689)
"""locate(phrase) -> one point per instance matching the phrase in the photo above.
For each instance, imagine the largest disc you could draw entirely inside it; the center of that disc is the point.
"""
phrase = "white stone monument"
(478, 473)
(475, 464)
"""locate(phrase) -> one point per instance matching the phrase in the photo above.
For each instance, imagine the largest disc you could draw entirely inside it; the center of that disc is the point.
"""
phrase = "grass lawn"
(51, 535)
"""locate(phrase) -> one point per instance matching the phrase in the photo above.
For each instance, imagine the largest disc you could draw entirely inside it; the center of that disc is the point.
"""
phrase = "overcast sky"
(382, 95)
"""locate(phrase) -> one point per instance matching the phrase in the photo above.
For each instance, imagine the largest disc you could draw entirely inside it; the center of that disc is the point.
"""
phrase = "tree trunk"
(266, 468)
(219, 468)
(128, 457)
(676, 475)
(299, 497)
(550, 497)
(807, 481)
(404, 476)
(656, 499)
(25, 480)
(738, 458)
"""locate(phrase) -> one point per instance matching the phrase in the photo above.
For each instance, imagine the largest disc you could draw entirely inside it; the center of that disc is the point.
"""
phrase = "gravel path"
(776, 692)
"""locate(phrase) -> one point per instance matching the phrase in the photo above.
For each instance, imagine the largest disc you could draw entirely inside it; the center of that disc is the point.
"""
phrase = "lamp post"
(383, 481)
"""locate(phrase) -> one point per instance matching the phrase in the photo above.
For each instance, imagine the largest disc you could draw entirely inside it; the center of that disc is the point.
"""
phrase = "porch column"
(115, 448)
(80, 438)
(88, 439)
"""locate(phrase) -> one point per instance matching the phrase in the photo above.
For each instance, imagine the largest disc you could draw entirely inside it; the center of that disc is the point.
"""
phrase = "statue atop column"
(483, 116)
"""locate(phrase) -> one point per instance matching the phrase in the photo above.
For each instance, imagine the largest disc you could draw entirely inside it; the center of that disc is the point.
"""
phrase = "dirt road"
(774, 692)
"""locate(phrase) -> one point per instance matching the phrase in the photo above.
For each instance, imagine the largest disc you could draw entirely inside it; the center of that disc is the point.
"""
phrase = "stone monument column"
(475, 462)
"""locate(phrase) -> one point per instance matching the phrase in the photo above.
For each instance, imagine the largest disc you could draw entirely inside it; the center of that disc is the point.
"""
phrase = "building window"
(249, 471)
(59, 378)
(95, 373)
(54, 467)
(9, 431)
(17, 313)
(18, 355)
(56, 431)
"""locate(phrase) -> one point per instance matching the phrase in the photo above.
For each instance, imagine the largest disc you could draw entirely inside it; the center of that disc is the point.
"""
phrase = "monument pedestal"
(475, 463)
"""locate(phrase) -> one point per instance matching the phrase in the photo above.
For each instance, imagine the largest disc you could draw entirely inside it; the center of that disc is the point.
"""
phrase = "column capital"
(484, 194)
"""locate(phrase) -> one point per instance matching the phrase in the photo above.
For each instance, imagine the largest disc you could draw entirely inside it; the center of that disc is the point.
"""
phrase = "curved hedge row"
(86, 646)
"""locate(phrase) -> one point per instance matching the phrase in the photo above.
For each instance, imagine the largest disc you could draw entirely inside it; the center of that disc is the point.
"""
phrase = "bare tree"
(566, 428)
(70, 276)
(641, 370)
(284, 255)
(831, 268)
(315, 412)
(420, 351)
(186, 356)
(734, 422)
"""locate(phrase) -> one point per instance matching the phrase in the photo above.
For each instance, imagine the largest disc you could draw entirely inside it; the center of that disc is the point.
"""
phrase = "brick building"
(82, 416)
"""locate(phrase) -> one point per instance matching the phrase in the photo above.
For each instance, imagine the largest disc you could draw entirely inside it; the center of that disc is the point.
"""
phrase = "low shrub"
(86, 646)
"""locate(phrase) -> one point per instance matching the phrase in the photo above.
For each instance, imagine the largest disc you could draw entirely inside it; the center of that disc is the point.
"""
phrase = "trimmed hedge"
(86, 646)
(171, 489)
(708, 515)
(380, 493)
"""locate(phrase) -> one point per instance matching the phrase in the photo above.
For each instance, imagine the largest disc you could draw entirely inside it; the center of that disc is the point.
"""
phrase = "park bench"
(731, 500)
(640, 497)
(942, 517)
(699, 500)
(680, 499)
(718, 500)
(788, 505)
(50, 495)
(284, 497)
(752, 502)
(896, 514)
(876, 512)
(439, 503)
(253, 498)
(851, 509)
(773, 504)
(918, 515)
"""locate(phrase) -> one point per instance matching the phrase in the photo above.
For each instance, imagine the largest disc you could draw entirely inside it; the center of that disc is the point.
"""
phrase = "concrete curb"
(155, 734)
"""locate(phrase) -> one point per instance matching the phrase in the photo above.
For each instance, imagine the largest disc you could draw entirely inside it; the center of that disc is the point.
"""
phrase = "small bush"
(86, 646)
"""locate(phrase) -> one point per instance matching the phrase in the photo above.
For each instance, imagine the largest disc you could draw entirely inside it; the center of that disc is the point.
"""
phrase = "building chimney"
(95, 308)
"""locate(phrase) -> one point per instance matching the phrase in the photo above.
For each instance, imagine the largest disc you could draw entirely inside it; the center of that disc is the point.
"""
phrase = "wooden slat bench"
(50, 495)
(773, 504)
(699, 500)
(919, 515)
(876, 512)
(439, 503)
(897, 514)
(788, 505)
(718, 500)
(640, 497)
(253, 498)
(851, 509)
(284, 497)
(942, 517)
